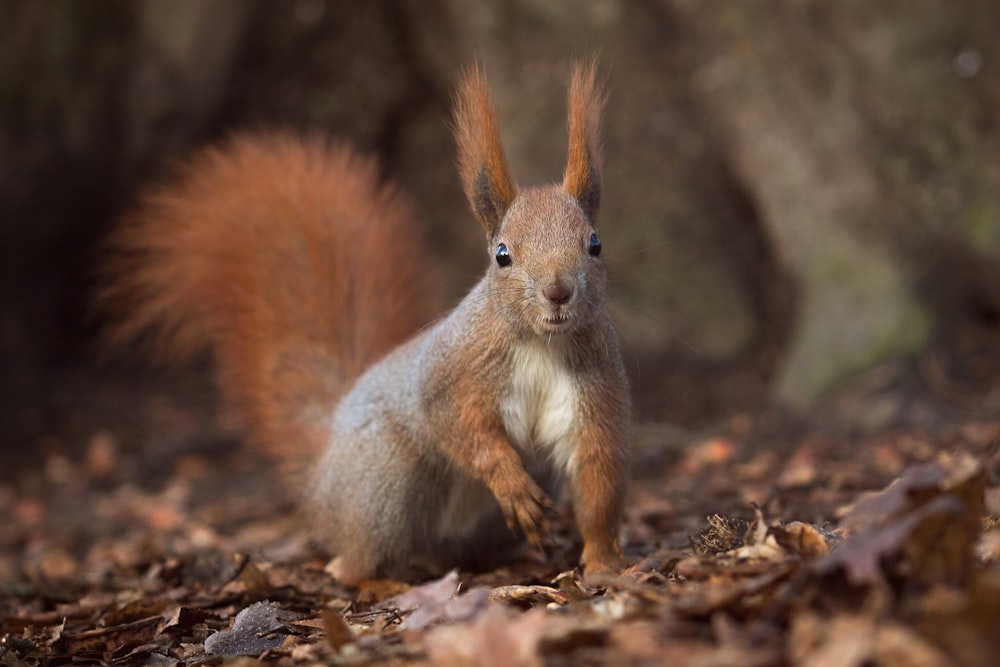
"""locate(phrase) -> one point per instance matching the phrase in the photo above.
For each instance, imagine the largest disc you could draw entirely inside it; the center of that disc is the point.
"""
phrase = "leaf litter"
(877, 551)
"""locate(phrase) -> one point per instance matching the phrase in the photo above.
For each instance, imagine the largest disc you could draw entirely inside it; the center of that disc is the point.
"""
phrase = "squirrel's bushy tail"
(286, 260)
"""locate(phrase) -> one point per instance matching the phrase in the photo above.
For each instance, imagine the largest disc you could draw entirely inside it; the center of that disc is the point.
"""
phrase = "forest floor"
(760, 541)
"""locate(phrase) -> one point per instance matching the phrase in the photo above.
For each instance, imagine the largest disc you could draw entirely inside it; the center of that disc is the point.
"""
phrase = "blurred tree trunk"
(783, 83)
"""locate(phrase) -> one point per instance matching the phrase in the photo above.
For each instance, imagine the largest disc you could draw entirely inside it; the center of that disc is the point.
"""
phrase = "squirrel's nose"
(557, 293)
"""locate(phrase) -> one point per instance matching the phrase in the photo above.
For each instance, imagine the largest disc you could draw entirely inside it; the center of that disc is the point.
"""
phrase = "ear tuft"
(482, 164)
(583, 167)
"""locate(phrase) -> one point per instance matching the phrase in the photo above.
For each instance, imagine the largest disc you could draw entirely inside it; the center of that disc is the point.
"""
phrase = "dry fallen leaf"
(528, 595)
(958, 475)
(499, 638)
(854, 640)
(338, 632)
(105, 640)
(438, 601)
(801, 538)
(255, 630)
(921, 529)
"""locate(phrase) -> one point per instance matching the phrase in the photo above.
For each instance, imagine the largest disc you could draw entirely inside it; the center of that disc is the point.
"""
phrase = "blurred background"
(802, 199)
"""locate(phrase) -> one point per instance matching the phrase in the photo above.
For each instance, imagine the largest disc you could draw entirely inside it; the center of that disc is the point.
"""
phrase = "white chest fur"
(540, 408)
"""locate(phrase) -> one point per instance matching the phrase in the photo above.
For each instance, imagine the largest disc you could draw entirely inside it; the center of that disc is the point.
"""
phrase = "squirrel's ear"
(583, 167)
(481, 161)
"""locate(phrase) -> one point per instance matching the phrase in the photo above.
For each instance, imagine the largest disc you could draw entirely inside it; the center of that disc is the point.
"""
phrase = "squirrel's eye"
(594, 246)
(503, 255)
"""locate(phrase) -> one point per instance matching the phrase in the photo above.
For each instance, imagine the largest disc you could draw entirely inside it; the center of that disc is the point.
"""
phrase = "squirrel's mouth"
(556, 322)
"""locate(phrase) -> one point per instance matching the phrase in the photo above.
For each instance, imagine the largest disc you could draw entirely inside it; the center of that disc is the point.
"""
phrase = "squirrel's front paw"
(524, 505)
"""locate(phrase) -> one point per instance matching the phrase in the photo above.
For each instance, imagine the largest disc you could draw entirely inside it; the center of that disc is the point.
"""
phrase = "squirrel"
(305, 279)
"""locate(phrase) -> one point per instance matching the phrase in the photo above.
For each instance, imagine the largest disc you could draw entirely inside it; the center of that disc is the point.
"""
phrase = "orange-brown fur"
(478, 136)
(271, 252)
(585, 102)
(302, 275)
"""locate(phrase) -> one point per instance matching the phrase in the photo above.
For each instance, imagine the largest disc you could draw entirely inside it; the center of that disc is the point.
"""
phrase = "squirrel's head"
(546, 271)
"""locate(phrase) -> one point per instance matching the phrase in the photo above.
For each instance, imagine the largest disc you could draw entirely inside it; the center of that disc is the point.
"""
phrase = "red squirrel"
(302, 275)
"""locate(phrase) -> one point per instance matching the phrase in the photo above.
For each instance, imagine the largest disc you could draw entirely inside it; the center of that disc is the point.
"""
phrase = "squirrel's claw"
(526, 510)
